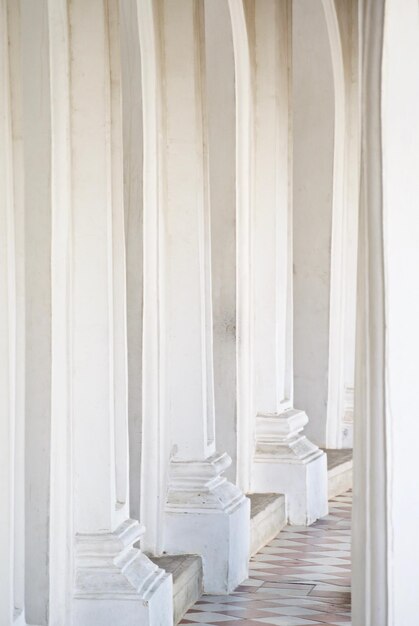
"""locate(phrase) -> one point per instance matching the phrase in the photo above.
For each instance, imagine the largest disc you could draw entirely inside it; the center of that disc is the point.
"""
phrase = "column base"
(287, 462)
(207, 515)
(118, 584)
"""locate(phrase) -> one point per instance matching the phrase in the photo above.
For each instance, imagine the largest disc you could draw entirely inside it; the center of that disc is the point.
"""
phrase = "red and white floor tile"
(301, 578)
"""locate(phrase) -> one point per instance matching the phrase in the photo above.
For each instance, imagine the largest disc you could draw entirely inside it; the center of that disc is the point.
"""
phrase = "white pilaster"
(197, 510)
(282, 460)
(61, 512)
(386, 503)
(12, 543)
(113, 581)
(342, 27)
(244, 248)
(313, 195)
(7, 332)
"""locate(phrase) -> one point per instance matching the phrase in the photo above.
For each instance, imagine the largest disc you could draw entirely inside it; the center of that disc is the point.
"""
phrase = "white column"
(11, 324)
(282, 459)
(7, 335)
(313, 183)
(326, 194)
(244, 249)
(133, 205)
(37, 205)
(386, 503)
(221, 104)
(113, 581)
(60, 505)
(202, 512)
(342, 27)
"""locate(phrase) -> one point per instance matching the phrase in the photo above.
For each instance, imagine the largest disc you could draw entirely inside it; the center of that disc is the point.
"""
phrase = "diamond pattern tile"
(300, 578)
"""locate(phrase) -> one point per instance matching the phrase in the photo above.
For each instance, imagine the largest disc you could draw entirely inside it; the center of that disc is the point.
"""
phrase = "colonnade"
(109, 179)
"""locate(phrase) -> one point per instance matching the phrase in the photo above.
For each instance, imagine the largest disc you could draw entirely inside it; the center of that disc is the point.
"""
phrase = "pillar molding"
(271, 427)
(185, 498)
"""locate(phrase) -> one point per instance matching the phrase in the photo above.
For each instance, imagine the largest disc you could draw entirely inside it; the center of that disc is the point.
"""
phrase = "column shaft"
(186, 285)
(94, 211)
(7, 332)
(202, 509)
(12, 543)
(102, 577)
(386, 506)
(244, 247)
(274, 455)
(61, 509)
(272, 206)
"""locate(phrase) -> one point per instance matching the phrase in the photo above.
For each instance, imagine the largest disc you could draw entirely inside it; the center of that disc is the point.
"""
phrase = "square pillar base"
(118, 584)
(287, 462)
(208, 516)
(304, 485)
(155, 611)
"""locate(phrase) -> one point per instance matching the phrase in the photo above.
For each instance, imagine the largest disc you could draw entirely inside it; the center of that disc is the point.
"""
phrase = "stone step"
(186, 570)
(339, 471)
(267, 518)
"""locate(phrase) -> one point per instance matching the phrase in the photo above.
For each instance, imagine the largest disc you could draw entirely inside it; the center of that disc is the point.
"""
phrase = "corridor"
(300, 578)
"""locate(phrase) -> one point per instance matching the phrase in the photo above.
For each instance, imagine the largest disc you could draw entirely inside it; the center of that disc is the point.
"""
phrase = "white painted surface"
(209, 516)
(386, 506)
(187, 251)
(133, 201)
(326, 191)
(340, 479)
(342, 26)
(61, 480)
(287, 462)
(113, 581)
(244, 279)
(186, 502)
(10, 454)
(95, 210)
(400, 136)
(37, 157)
(262, 45)
(154, 445)
(270, 33)
(220, 81)
(86, 314)
(267, 524)
(15, 73)
(313, 133)
(370, 589)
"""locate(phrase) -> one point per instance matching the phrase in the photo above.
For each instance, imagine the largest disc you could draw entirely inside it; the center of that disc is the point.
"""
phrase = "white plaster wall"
(133, 203)
(222, 168)
(313, 122)
(400, 136)
(36, 128)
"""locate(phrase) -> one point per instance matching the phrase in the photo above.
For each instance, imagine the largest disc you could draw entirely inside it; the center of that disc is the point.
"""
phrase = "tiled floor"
(302, 577)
